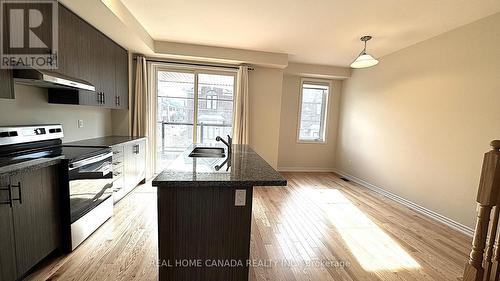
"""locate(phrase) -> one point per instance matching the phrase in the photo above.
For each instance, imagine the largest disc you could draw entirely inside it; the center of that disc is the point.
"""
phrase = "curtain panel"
(241, 109)
(144, 112)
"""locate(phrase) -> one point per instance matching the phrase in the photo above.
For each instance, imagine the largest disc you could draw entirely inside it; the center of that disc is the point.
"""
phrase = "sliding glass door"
(186, 98)
(215, 107)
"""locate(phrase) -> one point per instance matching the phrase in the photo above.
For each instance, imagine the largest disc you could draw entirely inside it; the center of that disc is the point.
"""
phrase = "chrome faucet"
(229, 142)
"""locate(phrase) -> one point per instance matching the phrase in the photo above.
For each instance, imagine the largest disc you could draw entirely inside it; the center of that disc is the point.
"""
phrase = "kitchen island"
(205, 213)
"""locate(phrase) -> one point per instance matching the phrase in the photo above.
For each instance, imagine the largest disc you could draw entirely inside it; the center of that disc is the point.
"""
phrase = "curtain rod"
(189, 63)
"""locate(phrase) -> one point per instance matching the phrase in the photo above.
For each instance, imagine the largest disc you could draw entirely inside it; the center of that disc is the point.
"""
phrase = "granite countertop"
(246, 168)
(29, 165)
(103, 141)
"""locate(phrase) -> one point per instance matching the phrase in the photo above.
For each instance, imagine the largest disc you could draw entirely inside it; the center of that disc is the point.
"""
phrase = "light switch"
(240, 197)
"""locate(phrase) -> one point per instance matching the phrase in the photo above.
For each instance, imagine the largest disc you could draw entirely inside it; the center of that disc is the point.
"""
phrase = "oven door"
(90, 184)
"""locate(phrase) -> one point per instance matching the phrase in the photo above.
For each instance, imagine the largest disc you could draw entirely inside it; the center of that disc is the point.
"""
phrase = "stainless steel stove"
(86, 175)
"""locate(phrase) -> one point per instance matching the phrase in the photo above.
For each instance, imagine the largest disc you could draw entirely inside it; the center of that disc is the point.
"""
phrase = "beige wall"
(120, 122)
(306, 156)
(418, 123)
(31, 107)
(265, 88)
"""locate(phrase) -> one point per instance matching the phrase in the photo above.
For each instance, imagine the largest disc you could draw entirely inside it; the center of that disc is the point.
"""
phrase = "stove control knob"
(39, 131)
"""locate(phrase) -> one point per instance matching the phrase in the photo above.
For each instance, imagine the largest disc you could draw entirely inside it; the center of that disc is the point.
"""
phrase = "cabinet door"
(76, 53)
(8, 269)
(121, 77)
(88, 52)
(36, 217)
(140, 161)
(68, 59)
(6, 84)
(106, 69)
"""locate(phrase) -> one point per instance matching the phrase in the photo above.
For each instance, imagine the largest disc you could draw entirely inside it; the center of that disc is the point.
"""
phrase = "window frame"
(195, 70)
(324, 121)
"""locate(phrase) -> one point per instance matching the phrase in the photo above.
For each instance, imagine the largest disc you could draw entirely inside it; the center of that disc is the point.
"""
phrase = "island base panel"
(202, 235)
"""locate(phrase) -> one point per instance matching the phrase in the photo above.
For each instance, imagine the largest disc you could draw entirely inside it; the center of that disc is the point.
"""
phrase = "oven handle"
(91, 160)
(107, 171)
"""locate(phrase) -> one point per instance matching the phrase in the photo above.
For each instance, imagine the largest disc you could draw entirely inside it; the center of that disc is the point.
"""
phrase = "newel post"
(487, 197)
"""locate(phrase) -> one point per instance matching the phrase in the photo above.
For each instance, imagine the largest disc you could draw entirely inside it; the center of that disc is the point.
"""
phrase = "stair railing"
(483, 264)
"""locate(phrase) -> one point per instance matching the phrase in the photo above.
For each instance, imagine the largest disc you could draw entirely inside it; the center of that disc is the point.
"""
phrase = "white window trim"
(303, 81)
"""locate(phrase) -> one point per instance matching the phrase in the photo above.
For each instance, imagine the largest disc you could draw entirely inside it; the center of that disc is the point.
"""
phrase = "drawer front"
(118, 184)
(117, 173)
(117, 162)
(117, 151)
(119, 189)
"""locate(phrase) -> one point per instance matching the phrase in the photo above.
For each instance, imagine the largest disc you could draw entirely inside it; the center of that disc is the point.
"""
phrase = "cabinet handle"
(103, 98)
(99, 97)
(19, 192)
(9, 189)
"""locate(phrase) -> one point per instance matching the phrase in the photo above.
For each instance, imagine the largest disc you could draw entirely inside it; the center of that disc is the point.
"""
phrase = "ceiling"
(315, 31)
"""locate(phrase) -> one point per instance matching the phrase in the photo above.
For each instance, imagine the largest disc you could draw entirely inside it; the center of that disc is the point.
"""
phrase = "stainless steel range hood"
(48, 79)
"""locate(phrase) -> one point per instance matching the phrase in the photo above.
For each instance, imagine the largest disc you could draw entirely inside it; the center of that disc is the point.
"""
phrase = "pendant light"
(364, 60)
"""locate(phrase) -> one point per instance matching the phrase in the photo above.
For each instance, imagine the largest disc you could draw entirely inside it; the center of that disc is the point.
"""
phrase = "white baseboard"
(433, 215)
(306, 169)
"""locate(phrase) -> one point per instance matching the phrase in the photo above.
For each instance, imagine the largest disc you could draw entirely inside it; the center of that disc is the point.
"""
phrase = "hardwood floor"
(317, 228)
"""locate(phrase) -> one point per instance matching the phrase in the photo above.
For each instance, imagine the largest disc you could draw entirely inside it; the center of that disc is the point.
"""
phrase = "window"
(312, 111)
(216, 92)
(194, 106)
(211, 102)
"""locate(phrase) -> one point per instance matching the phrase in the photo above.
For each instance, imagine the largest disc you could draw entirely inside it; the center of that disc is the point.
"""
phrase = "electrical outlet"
(80, 123)
(240, 197)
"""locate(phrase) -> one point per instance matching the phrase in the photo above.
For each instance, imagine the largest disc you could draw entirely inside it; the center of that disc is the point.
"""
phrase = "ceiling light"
(364, 60)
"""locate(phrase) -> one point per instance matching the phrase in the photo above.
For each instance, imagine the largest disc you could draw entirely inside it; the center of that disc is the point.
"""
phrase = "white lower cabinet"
(129, 167)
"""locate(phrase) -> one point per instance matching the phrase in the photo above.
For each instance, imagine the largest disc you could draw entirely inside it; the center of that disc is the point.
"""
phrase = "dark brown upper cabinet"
(68, 43)
(86, 53)
(107, 71)
(121, 77)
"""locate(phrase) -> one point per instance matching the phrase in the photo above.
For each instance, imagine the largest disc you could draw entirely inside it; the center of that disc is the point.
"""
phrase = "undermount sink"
(208, 152)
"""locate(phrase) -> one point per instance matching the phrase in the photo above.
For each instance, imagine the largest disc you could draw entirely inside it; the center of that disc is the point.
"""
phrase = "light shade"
(363, 61)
